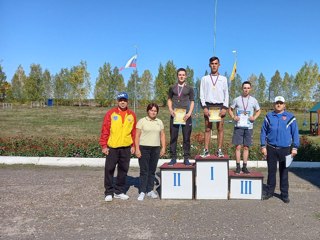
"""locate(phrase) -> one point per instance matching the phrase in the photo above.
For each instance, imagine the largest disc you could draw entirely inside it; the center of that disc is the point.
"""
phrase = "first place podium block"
(212, 177)
(245, 186)
(177, 181)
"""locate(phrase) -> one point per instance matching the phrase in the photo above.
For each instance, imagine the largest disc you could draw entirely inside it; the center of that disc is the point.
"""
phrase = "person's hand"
(132, 150)
(105, 151)
(206, 112)
(264, 152)
(138, 153)
(223, 112)
(172, 113)
(294, 152)
(251, 119)
(162, 151)
(236, 118)
(186, 117)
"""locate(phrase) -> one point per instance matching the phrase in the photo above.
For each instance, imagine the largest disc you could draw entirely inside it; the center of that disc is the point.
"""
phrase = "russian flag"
(132, 63)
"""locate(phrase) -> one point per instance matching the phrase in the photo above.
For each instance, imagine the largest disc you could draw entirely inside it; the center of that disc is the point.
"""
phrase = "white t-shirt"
(248, 104)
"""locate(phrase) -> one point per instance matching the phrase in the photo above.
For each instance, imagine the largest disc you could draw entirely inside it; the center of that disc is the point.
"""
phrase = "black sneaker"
(220, 153)
(238, 170)
(205, 153)
(266, 196)
(285, 199)
(172, 162)
(187, 163)
(245, 170)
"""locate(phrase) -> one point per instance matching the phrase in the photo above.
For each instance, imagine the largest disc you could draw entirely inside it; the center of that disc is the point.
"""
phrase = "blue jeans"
(148, 165)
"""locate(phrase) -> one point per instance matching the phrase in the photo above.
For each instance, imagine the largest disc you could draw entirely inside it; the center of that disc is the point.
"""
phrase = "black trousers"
(148, 165)
(121, 157)
(186, 133)
(275, 155)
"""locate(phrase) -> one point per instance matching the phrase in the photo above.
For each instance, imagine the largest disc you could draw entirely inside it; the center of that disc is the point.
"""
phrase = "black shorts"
(242, 136)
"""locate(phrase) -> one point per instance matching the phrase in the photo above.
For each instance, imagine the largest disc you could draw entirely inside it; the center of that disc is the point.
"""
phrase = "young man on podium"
(180, 104)
(244, 110)
(214, 97)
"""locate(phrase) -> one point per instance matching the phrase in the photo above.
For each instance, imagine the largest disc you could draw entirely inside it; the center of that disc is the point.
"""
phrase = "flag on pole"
(234, 71)
(131, 63)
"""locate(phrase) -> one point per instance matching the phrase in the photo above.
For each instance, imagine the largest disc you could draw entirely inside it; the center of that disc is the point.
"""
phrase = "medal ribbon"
(245, 107)
(214, 83)
(179, 92)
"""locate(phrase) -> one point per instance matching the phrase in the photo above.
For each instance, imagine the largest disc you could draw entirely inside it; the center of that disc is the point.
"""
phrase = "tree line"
(73, 85)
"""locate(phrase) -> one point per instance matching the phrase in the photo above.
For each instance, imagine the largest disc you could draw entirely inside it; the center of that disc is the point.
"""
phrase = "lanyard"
(179, 92)
(214, 83)
(245, 107)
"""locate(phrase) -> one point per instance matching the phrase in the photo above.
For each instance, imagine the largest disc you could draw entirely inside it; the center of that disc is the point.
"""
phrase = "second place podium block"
(177, 181)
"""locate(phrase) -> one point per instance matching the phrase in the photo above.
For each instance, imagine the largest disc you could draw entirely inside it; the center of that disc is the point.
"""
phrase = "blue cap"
(122, 95)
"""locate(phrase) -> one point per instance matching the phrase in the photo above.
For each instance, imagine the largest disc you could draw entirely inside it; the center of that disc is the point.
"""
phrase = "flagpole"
(135, 83)
(215, 27)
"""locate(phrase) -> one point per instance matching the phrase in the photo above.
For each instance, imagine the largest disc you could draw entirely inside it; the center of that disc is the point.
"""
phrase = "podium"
(212, 177)
(177, 181)
(245, 186)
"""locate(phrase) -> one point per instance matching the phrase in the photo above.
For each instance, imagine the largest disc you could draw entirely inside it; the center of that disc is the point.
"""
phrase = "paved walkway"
(67, 203)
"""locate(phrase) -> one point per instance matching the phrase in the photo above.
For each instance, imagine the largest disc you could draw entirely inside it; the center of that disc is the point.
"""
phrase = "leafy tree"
(254, 81)
(4, 86)
(306, 81)
(47, 85)
(34, 84)
(260, 92)
(275, 86)
(18, 82)
(60, 85)
(145, 92)
(161, 94)
(190, 76)
(317, 92)
(79, 81)
(235, 88)
(170, 72)
(118, 81)
(288, 87)
(103, 92)
(133, 87)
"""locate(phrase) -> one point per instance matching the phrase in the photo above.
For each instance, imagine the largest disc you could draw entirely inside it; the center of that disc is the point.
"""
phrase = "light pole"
(235, 55)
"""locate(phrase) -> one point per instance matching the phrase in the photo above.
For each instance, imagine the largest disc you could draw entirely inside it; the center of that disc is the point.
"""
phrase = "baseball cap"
(122, 95)
(279, 99)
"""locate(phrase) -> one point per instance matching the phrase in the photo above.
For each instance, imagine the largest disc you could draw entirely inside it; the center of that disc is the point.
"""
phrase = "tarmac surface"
(39, 202)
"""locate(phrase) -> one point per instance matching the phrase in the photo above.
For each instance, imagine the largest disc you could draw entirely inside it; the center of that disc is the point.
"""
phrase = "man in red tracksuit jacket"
(117, 142)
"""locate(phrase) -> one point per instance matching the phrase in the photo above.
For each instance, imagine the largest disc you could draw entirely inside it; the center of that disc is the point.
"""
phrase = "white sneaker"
(108, 198)
(152, 194)
(122, 196)
(141, 196)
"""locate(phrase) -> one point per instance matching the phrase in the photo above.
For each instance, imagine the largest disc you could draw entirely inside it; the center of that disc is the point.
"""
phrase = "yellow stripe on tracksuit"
(120, 133)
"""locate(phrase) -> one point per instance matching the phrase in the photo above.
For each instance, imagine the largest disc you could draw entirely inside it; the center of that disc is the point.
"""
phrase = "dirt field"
(68, 203)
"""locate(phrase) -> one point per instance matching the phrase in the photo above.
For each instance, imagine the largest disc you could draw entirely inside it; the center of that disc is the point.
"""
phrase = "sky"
(267, 35)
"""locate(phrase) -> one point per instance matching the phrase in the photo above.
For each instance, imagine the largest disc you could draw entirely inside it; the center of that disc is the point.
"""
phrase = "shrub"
(89, 148)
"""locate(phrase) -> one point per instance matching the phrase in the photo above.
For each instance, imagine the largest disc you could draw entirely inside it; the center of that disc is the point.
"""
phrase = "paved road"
(67, 203)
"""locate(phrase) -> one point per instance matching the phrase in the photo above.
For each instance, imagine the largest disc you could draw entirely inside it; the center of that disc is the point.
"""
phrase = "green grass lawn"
(85, 122)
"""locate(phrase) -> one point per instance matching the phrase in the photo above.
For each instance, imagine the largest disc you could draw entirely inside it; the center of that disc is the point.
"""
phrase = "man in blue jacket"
(279, 138)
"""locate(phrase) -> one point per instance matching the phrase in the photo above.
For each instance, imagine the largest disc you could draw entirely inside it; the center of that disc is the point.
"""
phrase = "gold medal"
(213, 87)
(245, 113)
(178, 100)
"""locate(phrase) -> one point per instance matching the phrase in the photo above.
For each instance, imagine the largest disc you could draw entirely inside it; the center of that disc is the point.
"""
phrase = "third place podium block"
(245, 186)
(177, 181)
(212, 177)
